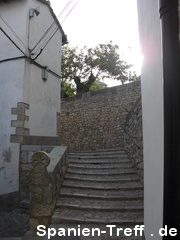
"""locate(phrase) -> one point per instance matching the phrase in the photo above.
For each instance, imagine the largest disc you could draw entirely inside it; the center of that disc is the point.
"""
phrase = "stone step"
(122, 193)
(100, 165)
(104, 172)
(100, 188)
(101, 179)
(105, 186)
(98, 152)
(98, 157)
(117, 188)
(123, 188)
(64, 215)
(103, 204)
(108, 177)
(96, 196)
(100, 161)
(97, 208)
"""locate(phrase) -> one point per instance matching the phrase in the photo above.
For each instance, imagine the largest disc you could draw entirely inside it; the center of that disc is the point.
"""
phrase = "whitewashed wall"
(152, 101)
(22, 82)
(16, 19)
(11, 91)
(43, 97)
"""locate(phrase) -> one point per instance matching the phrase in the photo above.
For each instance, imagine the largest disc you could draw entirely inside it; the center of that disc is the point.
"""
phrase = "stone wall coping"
(102, 91)
(40, 140)
(55, 156)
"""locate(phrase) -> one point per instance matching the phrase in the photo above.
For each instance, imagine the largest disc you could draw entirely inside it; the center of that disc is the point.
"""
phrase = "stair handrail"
(133, 138)
(134, 144)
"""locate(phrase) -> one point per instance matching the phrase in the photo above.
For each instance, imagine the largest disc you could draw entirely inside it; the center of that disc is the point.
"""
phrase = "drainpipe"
(171, 70)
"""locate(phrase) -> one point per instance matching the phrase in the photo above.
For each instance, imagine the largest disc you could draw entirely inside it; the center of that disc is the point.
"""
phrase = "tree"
(67, 90)
(85, 66)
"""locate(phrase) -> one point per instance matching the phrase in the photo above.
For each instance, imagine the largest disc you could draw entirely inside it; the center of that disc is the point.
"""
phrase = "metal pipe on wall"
(171, 70)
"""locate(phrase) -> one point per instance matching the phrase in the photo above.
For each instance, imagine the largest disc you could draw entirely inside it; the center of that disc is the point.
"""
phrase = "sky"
(91, 22)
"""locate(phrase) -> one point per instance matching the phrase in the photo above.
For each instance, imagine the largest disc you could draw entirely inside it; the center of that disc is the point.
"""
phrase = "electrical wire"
(43, 67)
(52, 25)
(43, 36)
(46, 38)
(7, 24)
(12, 59)
(70, 11)
(64, 9)
(43, 45)
(25, 56)
(13, 42)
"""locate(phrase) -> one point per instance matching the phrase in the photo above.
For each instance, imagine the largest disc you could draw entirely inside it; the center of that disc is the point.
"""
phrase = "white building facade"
(30, 58)
(159, 37)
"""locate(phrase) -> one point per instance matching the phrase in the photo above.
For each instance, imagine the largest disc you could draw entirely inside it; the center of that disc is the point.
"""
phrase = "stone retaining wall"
(94, 120)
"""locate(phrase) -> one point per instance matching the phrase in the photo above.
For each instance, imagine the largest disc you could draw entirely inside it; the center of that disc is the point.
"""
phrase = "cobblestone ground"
(13, 224)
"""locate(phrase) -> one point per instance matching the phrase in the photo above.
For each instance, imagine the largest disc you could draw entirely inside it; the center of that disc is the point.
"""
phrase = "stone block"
(16, 139)
(41, 140)
(30, 153)
(24, 157)
(21, 117)
(22, 105)
(15, 123)
(47, 149)
(30, 148)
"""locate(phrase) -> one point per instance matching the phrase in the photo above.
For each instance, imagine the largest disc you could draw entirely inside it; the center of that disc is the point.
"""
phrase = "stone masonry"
(94, 120)
(45, 184)
(19, 124)
(25, 167)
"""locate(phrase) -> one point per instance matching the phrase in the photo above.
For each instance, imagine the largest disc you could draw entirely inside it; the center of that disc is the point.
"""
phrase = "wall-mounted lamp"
(34, 10)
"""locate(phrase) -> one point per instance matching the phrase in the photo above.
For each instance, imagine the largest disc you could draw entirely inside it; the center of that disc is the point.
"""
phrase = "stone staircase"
(100, 188)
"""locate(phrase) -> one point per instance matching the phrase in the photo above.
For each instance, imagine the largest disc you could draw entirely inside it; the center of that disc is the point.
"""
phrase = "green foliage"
(96, 86)
(67, 90)
(87, 65)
